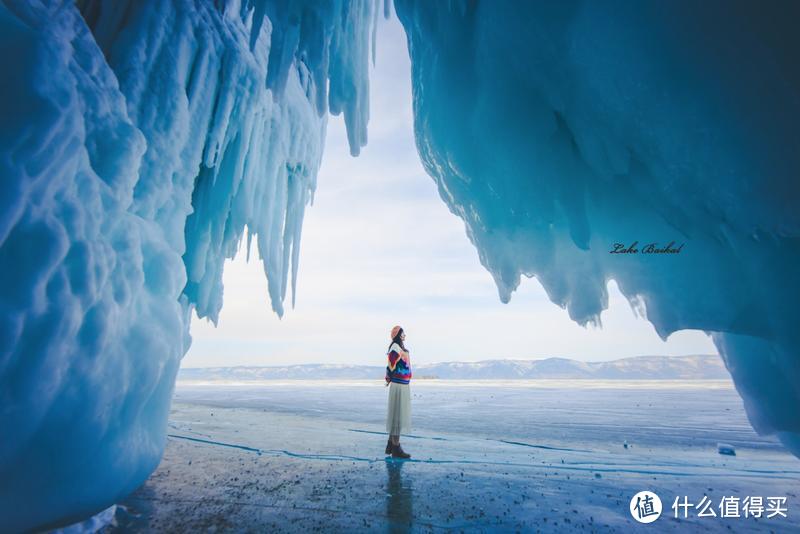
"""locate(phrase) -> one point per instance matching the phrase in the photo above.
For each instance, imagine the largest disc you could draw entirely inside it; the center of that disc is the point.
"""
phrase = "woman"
(398, 376)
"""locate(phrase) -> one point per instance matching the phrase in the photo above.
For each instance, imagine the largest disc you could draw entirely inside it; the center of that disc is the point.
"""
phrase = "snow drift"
(138, 141)
(557, 129)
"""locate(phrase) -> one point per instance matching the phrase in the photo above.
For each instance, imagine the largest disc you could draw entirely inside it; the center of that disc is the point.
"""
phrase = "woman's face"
(403, 336)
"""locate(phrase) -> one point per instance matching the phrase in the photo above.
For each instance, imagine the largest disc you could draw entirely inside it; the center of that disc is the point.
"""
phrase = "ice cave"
(142, 141)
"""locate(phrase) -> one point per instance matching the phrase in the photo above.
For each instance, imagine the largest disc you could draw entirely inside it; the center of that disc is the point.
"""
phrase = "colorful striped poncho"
(398, 369)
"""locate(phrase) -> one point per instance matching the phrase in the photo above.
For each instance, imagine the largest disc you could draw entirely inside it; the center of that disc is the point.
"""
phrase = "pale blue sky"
(380, 248)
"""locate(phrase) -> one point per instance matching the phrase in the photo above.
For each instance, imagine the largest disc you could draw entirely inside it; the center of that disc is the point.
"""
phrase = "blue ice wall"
(557, 129)
(139, 139)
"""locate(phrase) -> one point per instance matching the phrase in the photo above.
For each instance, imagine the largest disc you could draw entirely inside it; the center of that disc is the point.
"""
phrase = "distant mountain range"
(699, 367)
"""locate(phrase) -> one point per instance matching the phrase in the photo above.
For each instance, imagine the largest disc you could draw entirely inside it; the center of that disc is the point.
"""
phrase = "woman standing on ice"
(398, 376)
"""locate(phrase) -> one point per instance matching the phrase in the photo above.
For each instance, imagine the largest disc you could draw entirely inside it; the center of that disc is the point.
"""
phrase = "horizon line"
(456, 361)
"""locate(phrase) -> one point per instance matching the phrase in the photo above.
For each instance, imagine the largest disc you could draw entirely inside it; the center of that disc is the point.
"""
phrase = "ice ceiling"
(140, 139)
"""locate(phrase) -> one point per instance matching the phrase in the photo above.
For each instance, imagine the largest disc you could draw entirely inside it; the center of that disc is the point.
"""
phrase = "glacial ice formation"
(138, 141)
(557, 129)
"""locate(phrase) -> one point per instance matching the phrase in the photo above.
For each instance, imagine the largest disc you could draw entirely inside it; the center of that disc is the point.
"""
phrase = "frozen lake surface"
(542, 455)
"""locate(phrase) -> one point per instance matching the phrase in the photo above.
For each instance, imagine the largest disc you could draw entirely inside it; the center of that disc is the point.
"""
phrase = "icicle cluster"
(557, 130)
(139, 140)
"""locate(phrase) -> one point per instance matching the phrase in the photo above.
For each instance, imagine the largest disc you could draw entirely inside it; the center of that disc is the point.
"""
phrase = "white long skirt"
(398, 413)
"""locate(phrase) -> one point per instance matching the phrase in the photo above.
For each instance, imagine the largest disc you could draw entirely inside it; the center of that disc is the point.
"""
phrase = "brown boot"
(389, 446)
(398, 452)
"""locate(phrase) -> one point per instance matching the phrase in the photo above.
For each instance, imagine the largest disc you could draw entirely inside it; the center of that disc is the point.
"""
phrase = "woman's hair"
(397, 339)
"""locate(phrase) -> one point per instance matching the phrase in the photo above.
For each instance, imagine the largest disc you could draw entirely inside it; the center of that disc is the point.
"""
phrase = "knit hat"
(395, 331)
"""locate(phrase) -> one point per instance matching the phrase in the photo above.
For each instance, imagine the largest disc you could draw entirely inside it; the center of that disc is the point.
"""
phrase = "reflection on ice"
(399, 498)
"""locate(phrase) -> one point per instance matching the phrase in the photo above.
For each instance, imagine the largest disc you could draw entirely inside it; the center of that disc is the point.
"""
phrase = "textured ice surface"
(556, 130)
(537, 458)
(138, 141)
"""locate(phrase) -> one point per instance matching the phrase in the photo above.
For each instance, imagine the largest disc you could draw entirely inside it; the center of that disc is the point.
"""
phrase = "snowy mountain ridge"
(694, 367)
